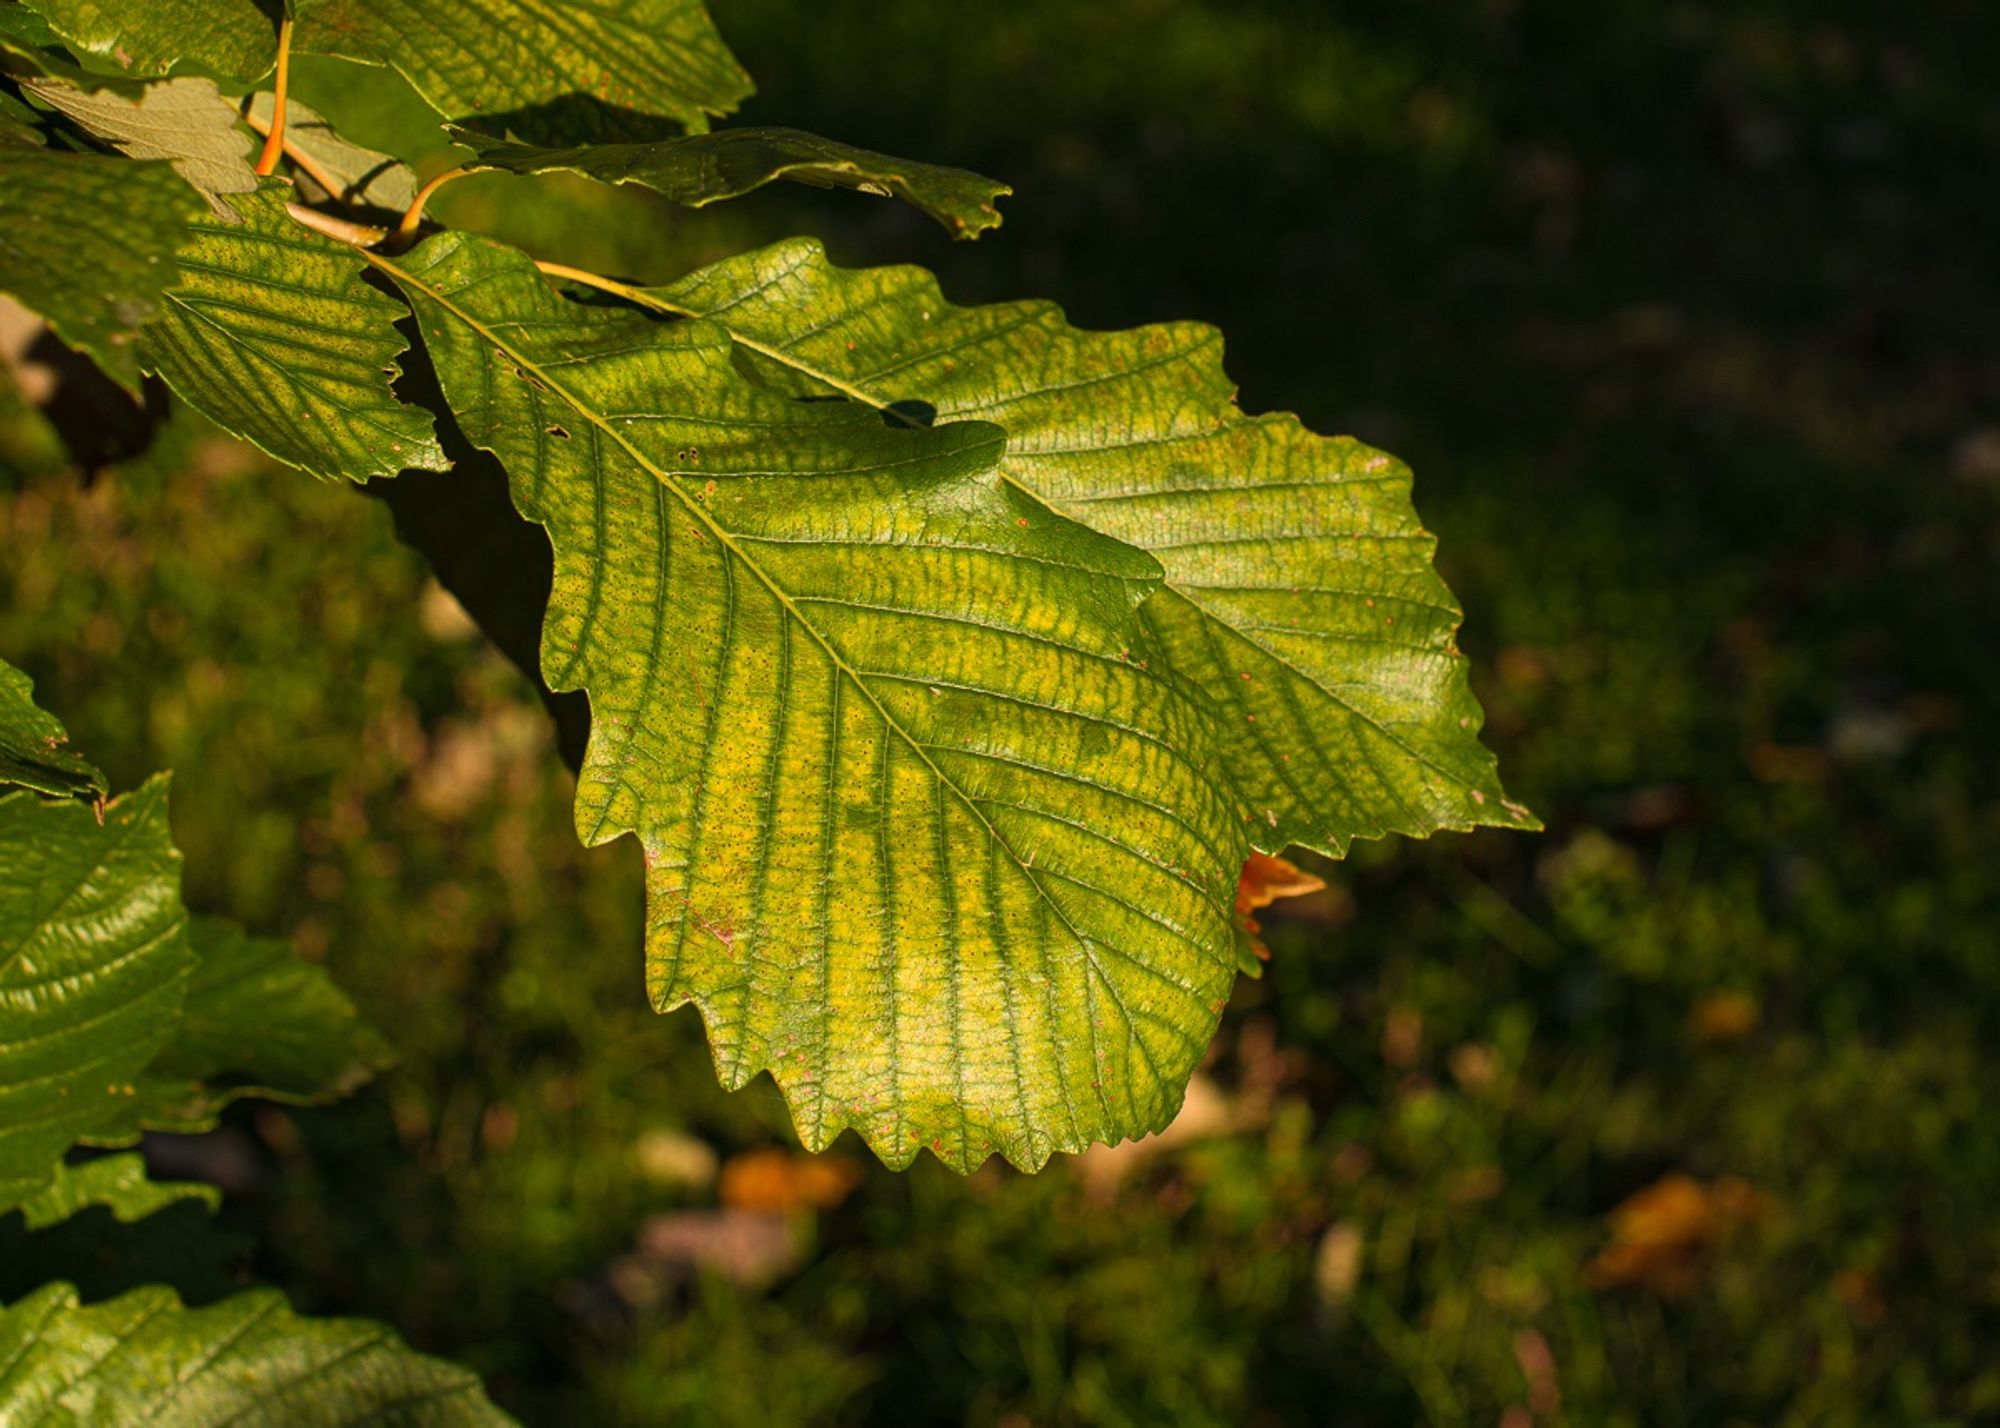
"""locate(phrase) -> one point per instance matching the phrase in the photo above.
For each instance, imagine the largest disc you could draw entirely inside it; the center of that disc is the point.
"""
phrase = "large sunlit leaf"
(275, 334)
(94, 962)
(256, 1021)
(466, 57)
(34, 747)
(143, 38)
(186, 122)
(701, 169)
(145, 1358)
(88, 241)
(925, 837)
(1299, 588)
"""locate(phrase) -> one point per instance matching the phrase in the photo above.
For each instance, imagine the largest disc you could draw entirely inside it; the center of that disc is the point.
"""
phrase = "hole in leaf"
(909, 413)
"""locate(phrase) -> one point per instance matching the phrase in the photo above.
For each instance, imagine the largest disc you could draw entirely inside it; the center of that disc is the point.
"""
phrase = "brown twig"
(406, 231)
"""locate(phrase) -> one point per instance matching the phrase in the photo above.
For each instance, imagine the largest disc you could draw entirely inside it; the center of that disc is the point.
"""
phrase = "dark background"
(1683, 315)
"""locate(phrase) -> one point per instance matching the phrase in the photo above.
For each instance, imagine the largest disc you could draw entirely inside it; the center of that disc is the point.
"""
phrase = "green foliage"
(1299, 592)
(903, 713)
(255, 1021)
(527, 61)
(186, 122)
(146, 38)
(89, 242)
(247, 1359)
(945, 663)
(94, 961)
(274, 333)
(32, 752)
(1701, 502)
(116, 1017)
(362, 177)
(701, 169)
(118, 1183)
(865, 704)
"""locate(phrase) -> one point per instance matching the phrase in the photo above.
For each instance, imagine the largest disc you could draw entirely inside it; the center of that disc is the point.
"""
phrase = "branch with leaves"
(947, 663)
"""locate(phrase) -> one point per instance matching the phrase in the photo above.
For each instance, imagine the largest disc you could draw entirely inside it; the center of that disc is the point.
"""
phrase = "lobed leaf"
(94, 962)
(925, 837)
(466, 57)
(187, 122)
(275, 334)
(1299, 588)
(701, 169)
(144, 1357)
(144, 38)
(33, 744)
(88, 241)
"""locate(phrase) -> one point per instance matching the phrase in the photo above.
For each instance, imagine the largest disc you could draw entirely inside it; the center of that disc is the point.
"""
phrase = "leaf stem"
(406, 231)
(642, 298)
(302, 161)
(274, 138)
(361, 235)
(593, 280)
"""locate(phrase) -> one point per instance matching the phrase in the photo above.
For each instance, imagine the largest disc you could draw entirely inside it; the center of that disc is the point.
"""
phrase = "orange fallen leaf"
(1662, 1237)
(775, 1181)
(1265, 879)
(1724, 1016)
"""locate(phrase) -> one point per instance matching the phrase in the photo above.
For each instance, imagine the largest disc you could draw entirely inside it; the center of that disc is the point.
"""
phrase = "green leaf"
(256, 1022)
(275, 335)
(467, 57)
(924, 836)
(143, 38)
(26, 36)
(701, 169)
(1299, 588)
(359, 176)
(88, 241)
(184, 121)
(32, 752)
(105, 1228)
(117, 1182)
(143, 1357)
(94, 962)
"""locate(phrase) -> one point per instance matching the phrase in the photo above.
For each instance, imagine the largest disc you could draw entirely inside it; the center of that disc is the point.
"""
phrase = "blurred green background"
(1686, 1112)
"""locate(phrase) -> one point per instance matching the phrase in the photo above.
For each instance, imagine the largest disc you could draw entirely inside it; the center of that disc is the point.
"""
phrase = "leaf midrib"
(701, 514)
(1189, 593)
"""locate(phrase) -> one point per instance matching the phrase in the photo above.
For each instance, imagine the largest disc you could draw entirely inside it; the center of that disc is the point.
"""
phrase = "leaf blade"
(118, 1183)
(358, 175)
(467, 57)
(256, 1021)
(1299, 591)
(32, 745)
(275, 335)
(967, 843)
(145, 1357)
(88, 241)
(700, 169)
(231, 38)
(94, 963)
(186, 122)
